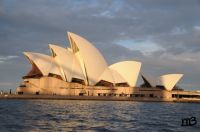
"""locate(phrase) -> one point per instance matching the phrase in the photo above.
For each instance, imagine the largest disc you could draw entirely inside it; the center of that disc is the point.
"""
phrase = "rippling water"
(68, 115)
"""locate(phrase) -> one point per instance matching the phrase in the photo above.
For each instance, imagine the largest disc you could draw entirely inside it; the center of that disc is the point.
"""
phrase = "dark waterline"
(69, 115)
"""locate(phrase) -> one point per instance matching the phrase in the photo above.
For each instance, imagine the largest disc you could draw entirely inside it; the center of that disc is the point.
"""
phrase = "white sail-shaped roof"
(68, 63)
(106, 76)
(169, 80)
(117, 77)
(111, 76)
(129, 70)
(76, 70)
(46, 64)
(92, 62)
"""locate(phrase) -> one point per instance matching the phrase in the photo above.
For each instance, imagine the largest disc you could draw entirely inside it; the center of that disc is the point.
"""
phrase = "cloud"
(164, 35)
(145, 46)
(7, 58)
(197, 28)
(178, 31)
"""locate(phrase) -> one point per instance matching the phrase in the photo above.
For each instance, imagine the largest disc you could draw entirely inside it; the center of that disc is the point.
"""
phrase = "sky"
(162, 34)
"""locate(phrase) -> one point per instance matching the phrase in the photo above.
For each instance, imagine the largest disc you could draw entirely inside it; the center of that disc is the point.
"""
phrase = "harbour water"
(75, 115)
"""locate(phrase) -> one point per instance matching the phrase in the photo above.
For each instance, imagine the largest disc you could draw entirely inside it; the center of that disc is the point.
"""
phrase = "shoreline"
(94, 98)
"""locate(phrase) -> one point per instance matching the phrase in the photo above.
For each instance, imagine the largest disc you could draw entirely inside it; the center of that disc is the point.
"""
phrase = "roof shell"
(92, 62)
(68, 63)
(169, 80)
(117, 77)
(129, 70)
(111, 76)
(46, 64)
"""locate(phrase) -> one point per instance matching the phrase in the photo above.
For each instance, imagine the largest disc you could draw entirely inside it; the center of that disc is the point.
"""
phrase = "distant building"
(82, 70)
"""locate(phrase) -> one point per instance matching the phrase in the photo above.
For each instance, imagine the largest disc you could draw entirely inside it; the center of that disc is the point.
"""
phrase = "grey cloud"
(4, 59)
(29, 25)
(7, 57)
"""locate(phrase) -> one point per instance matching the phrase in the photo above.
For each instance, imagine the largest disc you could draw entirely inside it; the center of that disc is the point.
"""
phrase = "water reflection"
(58, 115)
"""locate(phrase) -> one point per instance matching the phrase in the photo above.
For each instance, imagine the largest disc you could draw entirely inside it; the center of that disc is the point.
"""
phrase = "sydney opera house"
(81, 70)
